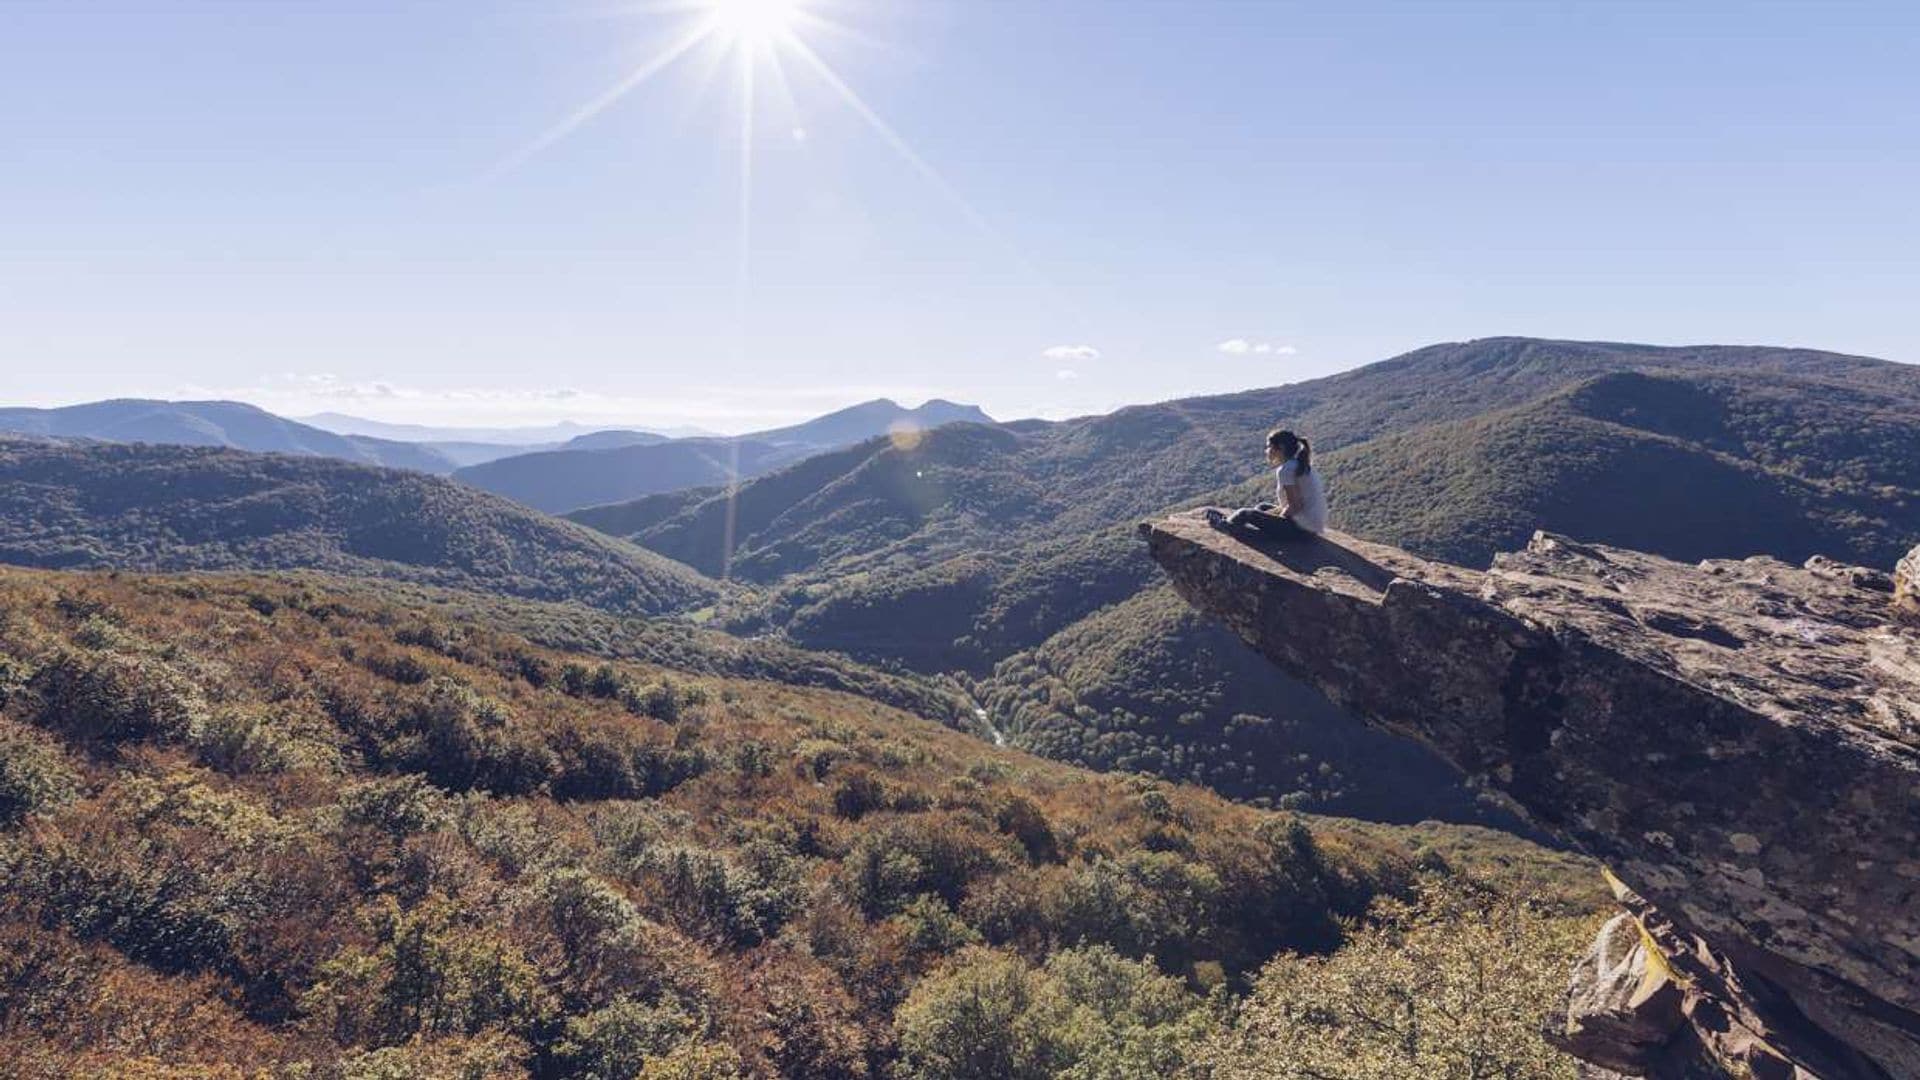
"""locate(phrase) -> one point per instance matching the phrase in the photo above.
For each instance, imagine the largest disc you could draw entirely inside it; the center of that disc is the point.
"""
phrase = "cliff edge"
(1738, 741)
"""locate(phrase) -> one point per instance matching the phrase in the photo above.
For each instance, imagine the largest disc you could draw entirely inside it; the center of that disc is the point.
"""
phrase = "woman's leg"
(1267, 524)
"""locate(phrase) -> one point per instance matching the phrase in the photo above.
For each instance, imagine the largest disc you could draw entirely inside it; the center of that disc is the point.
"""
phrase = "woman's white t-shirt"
(1312, 514)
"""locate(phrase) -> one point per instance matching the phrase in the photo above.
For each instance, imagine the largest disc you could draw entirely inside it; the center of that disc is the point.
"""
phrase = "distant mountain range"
(549, 435)
(593, 472)
(553, 468)
(230, 424)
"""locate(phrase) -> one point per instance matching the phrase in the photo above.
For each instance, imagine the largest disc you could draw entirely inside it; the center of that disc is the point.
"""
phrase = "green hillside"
(1019, 523)
(177, 508)
(977, 546)
(1686, 466)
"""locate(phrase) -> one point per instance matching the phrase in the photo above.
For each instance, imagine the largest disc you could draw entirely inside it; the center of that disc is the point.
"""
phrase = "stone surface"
(1622, 1008)
(1906, 585)
(1739, 741)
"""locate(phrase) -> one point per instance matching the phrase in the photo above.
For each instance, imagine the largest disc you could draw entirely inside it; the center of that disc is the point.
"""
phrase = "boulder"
(1737, 740)
(1623, 1006)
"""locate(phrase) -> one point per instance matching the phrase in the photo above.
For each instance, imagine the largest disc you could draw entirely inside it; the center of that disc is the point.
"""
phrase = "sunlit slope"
(253, 822)
(173, 508)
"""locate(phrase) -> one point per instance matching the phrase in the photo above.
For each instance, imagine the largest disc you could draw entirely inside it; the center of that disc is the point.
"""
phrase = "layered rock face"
(1738, 742)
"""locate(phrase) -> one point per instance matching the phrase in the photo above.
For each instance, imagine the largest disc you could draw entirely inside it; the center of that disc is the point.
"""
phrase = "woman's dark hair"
(1292, 447)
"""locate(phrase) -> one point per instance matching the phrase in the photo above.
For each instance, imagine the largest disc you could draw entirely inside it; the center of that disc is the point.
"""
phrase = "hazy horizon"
(379, 409)
(442, 213)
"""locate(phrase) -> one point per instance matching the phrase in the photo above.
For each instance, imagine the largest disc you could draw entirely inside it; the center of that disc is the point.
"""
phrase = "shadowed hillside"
(173, 508)
(556, 480)
(1150, 685)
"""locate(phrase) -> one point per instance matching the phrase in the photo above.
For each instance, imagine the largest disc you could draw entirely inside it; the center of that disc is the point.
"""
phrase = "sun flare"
(754, 20)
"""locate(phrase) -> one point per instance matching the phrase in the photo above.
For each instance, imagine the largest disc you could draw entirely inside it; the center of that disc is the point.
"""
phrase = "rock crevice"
(1738, 741)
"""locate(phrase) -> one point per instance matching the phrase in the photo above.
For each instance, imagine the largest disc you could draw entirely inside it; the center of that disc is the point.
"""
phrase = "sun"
(754, 20)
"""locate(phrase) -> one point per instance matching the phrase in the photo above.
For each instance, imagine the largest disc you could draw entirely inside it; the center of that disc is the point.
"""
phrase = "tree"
(1452, 986)
(1087, 1014)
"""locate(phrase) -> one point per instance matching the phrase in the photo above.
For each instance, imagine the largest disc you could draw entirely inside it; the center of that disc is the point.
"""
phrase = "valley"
(764, 779)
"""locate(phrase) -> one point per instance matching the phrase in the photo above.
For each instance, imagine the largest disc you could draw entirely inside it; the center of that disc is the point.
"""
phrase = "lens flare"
(754, 20)
(906, 435)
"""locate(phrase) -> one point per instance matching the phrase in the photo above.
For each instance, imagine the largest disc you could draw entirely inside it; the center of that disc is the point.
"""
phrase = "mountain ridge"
(231, 424)
(142, 506)
(566, 480)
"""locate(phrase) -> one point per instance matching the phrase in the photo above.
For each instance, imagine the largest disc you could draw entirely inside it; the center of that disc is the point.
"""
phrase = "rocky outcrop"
(1738, 741)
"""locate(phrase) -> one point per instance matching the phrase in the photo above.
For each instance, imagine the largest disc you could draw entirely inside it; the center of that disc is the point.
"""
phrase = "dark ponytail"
(1292, 447)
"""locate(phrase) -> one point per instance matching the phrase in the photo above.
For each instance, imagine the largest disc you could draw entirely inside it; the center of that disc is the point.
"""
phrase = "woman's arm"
(1291, 500)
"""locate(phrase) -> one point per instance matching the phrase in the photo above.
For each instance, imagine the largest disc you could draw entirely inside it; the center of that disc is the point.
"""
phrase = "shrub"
(1086, 1015)
(707, 895)
(618, 1042)
(492, 1056)
(1453, 984)
(930, 929)
(34, 773)
(399, 806)
(696, 1061)
(436, 971)
(246, 740)
(115, 697)
(858, 793)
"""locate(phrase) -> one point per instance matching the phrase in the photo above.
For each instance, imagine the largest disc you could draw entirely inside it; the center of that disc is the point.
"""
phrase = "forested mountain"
(231, 424)
(1687, 465)
(607, 469)
(261, 826)
(176, 508)
(974, 544)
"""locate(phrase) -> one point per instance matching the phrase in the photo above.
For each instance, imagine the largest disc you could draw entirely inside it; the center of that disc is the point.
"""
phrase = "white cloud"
(1066, 374)
(1244, 347)
(1074, 353)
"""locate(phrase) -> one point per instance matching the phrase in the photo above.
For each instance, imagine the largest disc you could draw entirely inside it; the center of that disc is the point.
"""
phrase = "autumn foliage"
(261, 827)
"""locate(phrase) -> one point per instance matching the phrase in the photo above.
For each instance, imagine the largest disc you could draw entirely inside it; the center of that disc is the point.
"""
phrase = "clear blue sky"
(326, 204)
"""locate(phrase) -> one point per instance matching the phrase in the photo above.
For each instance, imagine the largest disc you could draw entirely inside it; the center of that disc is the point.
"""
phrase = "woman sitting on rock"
(1302, 510)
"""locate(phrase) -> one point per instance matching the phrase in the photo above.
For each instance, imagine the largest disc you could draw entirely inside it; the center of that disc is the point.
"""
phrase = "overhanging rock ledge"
(1738, 741)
